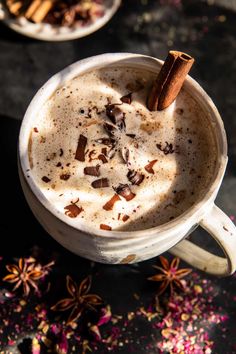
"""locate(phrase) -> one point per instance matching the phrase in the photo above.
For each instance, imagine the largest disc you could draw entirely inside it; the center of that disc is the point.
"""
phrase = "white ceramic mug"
(134, 246)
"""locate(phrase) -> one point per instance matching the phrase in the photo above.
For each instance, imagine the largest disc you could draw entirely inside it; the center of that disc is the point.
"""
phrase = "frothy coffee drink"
(104, 160)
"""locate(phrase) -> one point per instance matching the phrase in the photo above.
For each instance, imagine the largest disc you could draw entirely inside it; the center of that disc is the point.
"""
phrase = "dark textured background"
(204, 30)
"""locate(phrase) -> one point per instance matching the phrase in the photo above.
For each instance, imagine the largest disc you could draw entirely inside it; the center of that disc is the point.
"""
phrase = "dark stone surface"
(206, 32)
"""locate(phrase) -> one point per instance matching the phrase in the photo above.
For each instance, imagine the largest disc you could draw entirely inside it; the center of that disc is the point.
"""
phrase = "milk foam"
(180, 177)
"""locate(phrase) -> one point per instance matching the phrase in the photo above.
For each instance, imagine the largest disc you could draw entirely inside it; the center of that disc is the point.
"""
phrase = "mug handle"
(222, 229)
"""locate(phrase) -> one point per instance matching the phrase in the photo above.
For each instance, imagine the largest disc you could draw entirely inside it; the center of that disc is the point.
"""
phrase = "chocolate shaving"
(131, 135)
(111, 153)
(61, 152)
(168, 149)
(127, 98)
(105, 227)
(125, 218)
(110, 129)
(110, 204)
(125, 191)
(80, 152)
(36, 130)
(46, 179)
(106, 141)
(65, 176)
(149, 167)
(116, 115)
(73, 210)
(100, 183)
(91, 154)
(102, 158)
(135, 177)
(104, 151)
(126, 155)
(92, 171)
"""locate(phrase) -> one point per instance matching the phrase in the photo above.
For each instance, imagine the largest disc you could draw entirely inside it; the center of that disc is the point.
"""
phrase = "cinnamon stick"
(170, 80)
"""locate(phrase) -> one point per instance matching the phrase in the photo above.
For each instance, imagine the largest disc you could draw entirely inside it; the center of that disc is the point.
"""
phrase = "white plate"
(47, 32)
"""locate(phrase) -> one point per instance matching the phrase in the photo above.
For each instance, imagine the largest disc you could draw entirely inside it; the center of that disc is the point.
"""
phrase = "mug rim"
(90, 63)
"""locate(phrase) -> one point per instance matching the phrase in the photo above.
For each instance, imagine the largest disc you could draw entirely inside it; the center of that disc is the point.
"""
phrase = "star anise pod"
(79, 300)
(170, 275)
(26, 273)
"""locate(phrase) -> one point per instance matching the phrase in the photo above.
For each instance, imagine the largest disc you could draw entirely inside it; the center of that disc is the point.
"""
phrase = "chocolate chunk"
(65, 176)
(125, 218)
(105, 227)
(36, 130)
(110, 204)
(73, 210)
(116, 115)
(131, 135)
(58, 164)
(168, 149)
(46, 179)
(80, 152)
(149, 167)
(125, 191)
(106, 141)
(100, 183)
(127, 98)
(102, 158)
(135, 177)
(92, 171)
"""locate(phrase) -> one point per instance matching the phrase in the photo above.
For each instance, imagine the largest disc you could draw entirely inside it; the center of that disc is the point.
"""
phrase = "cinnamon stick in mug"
(169, 80)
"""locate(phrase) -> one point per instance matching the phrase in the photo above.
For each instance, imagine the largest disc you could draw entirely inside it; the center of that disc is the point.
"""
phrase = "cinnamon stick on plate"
(38, 10)
(169, 80)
